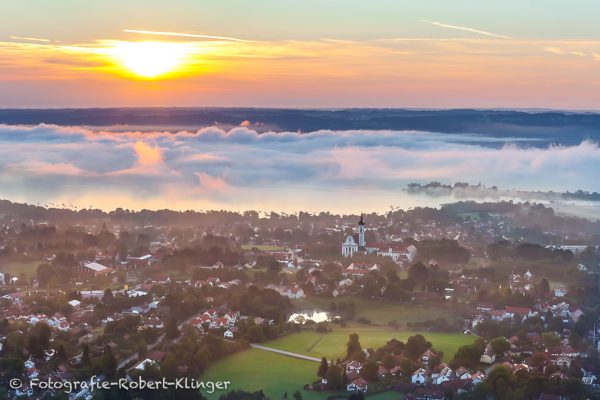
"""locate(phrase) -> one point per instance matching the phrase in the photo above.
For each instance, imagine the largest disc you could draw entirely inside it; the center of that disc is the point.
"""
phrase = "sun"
(150, 59)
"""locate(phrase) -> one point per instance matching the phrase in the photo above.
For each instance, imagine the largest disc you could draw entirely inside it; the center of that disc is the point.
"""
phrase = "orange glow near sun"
(150, 60)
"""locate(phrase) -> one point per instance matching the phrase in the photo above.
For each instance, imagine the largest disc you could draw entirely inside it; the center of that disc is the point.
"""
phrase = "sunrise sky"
(310, 53)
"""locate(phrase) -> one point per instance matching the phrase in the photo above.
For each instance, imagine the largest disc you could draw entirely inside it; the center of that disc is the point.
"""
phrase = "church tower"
(361, 232)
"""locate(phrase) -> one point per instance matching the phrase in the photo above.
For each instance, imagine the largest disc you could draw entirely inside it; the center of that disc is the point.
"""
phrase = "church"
(351, 246)
(399, 252)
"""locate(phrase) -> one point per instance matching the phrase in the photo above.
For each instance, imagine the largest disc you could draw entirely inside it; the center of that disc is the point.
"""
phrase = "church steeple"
(361, 232)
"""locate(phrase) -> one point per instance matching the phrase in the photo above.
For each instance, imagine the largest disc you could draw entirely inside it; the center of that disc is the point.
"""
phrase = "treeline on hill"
(207, 251)
(526, 251)
(444, 251)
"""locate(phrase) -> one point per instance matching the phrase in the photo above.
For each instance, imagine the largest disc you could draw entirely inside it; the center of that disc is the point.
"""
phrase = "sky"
(309, 53)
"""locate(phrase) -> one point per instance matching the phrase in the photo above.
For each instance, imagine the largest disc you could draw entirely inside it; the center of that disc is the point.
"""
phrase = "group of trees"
(444, 251)
(526, 251)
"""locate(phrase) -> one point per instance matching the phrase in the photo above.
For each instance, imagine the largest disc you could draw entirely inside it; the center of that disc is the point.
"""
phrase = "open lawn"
(333, 344)
(380, 312)
(275, 374)
(14, 268)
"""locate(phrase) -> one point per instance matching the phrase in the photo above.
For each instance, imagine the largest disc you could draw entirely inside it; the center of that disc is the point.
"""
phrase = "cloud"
(147, 155)
(30, 39)
(240, 168)
(186, 35)
(465, 29)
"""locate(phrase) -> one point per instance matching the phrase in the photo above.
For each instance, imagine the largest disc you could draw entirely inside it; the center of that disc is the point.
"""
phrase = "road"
(286, 353)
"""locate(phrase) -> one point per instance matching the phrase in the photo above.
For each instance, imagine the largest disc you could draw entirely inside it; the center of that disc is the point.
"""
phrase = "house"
(477, 378)
(143, 261)
(357, 385)
(144, 364)
(382, 372)
(228, 334)
(558, 377)
(295, 292)
(443, 376)
(95, 269)
(582, 267)
(485, 307)
(419, 377)
(74, 303)
(560, 292)
(427, 356)
(353, 366)
(588, 379)
(488, 356)
(463, 373)
(23, 391)
(88, 294)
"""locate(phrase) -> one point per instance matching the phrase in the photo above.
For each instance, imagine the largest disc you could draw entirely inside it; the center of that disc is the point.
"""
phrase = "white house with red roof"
(357, 385)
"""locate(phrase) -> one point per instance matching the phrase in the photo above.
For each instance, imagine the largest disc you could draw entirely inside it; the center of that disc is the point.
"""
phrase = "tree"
(323, 367)
(416, 345)
(168, 367)
(108, 296)
(538, 359)
(334, 377)
(38, 339)
(500, 346)
(171, 329)
(543, 287)
(388, 361)
(550, 339)
(85, 355)
(353, 345)
(61, 353)
(418, 272)
(500, 376)
(467, 356)
(369, 370)
(142, 348)
(108, 363)
(255, 334)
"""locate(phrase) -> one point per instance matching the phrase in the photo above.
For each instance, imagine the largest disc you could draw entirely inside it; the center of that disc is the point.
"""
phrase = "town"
(468, 301)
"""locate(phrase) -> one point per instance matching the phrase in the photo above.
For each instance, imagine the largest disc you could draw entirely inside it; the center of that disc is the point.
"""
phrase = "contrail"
(31, 39)
(466, 29)
(191, 35)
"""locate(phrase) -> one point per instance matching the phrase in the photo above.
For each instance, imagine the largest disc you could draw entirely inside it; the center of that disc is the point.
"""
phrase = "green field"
(333, 344)
(14, 268)
(381, 312)
(254, 369)
(276, 374)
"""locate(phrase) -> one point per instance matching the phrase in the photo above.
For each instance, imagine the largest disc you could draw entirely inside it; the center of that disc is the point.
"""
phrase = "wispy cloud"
(187, 35)
(30, 39)
(465, 29)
